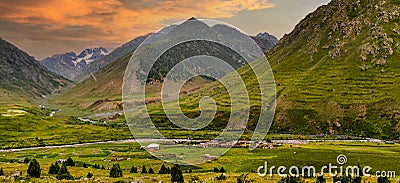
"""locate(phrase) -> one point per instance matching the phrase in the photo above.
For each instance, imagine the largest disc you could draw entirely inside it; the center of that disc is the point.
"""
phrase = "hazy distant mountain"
(21, 73)
(265, 41)
(70, 65)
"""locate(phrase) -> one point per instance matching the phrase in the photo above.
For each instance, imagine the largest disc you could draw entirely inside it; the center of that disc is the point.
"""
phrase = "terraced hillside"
(337, 72)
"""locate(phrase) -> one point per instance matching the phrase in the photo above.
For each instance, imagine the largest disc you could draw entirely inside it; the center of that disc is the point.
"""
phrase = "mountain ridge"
(21, 74)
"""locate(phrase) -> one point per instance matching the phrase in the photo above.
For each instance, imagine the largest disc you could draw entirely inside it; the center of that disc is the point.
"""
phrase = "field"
(237, 162)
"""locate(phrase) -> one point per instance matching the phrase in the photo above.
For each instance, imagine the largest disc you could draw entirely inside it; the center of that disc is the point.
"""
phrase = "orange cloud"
(115, 21)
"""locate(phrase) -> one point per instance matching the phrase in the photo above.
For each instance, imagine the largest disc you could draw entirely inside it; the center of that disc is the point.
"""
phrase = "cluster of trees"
(222, 170)
(175, 171)
(116, 171)
(61, 172)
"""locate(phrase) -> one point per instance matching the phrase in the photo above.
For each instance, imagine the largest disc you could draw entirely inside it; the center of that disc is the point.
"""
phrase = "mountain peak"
(70, 64)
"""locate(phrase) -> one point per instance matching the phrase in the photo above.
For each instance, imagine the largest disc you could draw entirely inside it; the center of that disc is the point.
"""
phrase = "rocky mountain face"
(265, 41)
(70, 65)
(21, 74)
(119, 52)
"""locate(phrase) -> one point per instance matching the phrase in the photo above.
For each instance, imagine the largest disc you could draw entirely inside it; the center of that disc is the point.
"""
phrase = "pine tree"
(144, 169)
(54, 168)
(190, 170)
(84, 165)
(163, 170)
(151, 171)
(1, 172)
(34, 169)
(26, 160)
(176, 174)
(63, 173)
(216, 170)
(115, 171)
(70, 162)
(222, 170)
(133, 169)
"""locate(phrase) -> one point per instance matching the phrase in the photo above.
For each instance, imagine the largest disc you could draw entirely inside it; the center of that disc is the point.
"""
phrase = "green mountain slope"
(337, 72)
(21, 76)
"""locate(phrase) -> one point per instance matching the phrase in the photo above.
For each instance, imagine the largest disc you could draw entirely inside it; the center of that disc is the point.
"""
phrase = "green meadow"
(236, 162)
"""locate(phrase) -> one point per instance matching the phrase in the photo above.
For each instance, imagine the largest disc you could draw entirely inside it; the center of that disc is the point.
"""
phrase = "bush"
(243, 179)
(63, 173)
(144, 169)
(290, 179)
(34, 169)
(115, 171)
(151, 171)
(221, 177)
(26, 160)
(176, 174)
(133, 169)
(89, 175)
(84, 165)
(321, 179)
(70, 162)
(54, 168)
(163, 170)
(383, 180)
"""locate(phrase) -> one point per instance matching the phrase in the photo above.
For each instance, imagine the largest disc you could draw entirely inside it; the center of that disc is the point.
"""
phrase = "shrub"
(115, 171)
(221, 177)
(89, 175)
(54, 168)
(176, 174)
(144, 169)
(63, 173)
(151, 171)
(243, 179)
(34, 169)
(383, 180)
(70, 162)
(133, 169)
(26, 160)
(163, 170)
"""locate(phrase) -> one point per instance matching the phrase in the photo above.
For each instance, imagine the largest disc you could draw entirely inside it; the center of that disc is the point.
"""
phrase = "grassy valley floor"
(237, 162)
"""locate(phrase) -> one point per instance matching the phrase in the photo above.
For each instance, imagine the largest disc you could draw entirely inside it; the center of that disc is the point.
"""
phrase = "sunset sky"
(46, 27)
